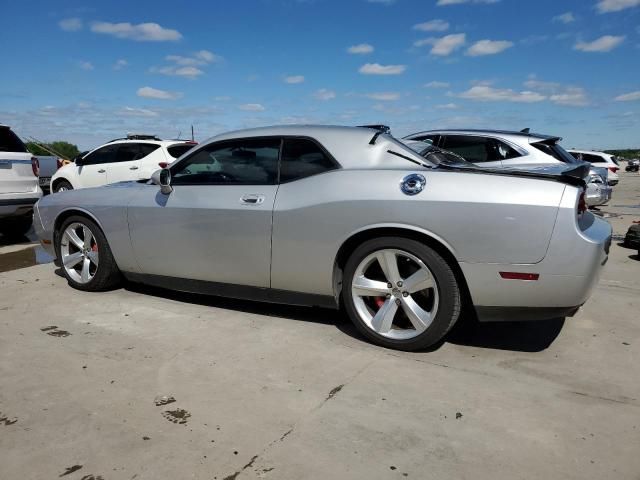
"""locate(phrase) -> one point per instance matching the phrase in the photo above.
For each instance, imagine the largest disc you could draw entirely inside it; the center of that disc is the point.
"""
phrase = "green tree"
(65, 149)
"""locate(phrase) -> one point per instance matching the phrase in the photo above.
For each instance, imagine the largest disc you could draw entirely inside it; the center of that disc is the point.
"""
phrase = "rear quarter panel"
(480, 218)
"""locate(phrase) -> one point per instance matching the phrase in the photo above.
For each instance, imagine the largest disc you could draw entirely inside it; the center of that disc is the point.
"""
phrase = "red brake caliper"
(379, 301)
(94, 247)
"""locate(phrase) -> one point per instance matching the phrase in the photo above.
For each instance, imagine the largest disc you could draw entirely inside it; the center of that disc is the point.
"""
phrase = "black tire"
(62, 184)
(449, 293)
(16, 227)
(107, 275)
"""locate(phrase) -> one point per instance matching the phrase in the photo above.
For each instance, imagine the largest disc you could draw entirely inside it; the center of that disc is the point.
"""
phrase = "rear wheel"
(85, 256)
(62, 186)
(400, 293)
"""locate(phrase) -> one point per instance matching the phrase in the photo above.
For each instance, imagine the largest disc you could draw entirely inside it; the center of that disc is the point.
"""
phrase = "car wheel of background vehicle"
(400, 293)
(62, 186)
(16, 227)
(85, 256)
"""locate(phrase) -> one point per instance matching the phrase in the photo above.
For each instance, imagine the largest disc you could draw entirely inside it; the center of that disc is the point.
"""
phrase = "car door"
(128, 164)
(216, 223)
(92, 171)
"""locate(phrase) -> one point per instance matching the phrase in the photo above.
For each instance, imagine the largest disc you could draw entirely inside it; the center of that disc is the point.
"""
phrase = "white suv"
(600, 159)
(133, 158)
(19, 188)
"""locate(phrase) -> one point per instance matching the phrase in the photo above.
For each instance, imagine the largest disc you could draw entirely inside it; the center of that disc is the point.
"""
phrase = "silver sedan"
(340, 216)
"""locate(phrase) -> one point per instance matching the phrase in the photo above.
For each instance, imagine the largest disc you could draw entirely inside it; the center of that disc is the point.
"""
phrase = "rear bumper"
(18, 204)
(567, 276)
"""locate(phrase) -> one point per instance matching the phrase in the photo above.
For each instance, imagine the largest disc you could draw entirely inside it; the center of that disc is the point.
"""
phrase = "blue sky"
(87, 72)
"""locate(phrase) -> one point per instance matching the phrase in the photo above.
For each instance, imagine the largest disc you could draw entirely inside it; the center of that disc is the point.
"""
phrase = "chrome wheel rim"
(395, 294)
(79, 252)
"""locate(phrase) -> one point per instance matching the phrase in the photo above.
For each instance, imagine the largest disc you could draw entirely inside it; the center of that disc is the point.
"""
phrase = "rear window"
(9, 141)
(556, 151)
(177, 150)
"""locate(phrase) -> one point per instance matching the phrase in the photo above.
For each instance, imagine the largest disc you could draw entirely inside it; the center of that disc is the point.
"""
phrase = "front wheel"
(85, 256)
(400, 293)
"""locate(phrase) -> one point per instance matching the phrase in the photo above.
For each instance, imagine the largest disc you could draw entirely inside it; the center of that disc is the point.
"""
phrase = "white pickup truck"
(19, 188)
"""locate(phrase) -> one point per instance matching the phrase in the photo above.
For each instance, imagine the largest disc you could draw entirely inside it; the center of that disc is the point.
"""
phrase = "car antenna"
(525, 130)
(192, 138)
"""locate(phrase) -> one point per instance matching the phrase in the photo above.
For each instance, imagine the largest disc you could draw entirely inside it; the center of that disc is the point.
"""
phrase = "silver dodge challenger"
(340, 217)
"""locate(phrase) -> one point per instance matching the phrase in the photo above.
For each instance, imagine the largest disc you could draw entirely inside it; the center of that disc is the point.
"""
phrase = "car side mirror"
(162, 177)
(79, 161)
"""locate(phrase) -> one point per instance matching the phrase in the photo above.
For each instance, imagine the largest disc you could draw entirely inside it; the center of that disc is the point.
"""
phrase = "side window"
(146, 149)
(429, 138)
(128, 152)
(302, 158)
(235, 162)
(106, 154)
(479, 149)
(587, 157)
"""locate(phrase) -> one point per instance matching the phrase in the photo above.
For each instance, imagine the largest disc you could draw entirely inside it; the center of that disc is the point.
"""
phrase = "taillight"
(582, 202)
(163, 164)
(59, 163)
(35, 166)
(613, 169)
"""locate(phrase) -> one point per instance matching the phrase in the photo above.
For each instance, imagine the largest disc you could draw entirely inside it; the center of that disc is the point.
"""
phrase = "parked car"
(477, 146)
(133, 158)
(322, 215)
(599, 192)
(498, 148)
(600, 159)
(18, 184)
(49, 164)
(632, 165)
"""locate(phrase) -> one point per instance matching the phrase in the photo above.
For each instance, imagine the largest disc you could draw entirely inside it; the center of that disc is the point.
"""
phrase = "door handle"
(133, 168)
(252, 199)
(102, 170)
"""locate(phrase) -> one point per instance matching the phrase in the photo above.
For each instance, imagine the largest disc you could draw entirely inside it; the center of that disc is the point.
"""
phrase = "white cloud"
(605, 43)
(138, 112)
(383, 96)
(447, 106)
(436, 84)
(86, 65)
(120, 64)
(432, 26)
(486, 93)
(628, 97)
(534, 84)
(202, 57)
(488, 47)
(565, 18)
(175, 71)
(448, 44)
(142, 32)
(360, 49)
(294, 79)
(324, 94)
(606, 6)
(70, 24)
(377, 69)
(459, 2)
(572, 97)
(150, 92)
(252, 107)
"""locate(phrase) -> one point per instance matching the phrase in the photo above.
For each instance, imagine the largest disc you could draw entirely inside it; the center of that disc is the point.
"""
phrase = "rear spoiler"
(574, 175)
